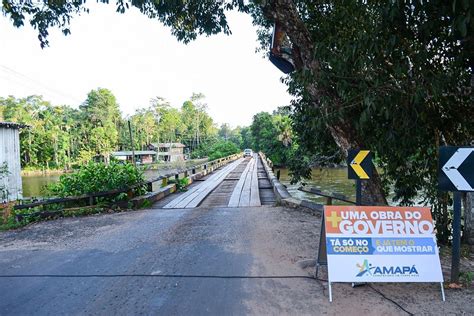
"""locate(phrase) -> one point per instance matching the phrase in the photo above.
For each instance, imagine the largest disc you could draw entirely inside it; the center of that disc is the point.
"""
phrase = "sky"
(138, 59)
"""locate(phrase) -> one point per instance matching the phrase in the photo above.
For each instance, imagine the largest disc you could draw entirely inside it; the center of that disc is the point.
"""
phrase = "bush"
(97, 177)
(218, 150)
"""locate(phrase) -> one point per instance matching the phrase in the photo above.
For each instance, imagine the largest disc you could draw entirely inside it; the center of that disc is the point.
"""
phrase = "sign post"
(381, 244)
(359, 163)
(456, 174)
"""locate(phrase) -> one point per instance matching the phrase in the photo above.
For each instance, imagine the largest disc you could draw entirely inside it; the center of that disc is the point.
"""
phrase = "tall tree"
(102, 118)
(364, 71)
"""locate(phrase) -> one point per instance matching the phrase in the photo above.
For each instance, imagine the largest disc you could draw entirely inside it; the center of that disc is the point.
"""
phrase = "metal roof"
(137, 153)
(12, 125)
(174, 145)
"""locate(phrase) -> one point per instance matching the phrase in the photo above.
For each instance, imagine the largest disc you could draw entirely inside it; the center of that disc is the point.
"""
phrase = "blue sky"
(137, 58)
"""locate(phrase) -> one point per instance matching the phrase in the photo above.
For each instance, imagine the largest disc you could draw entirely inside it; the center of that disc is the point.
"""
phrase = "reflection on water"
(332, 180)
(326, 179)
(34, 185)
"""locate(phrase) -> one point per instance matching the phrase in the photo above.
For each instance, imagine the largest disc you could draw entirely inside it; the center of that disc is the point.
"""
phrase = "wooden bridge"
(242, 182)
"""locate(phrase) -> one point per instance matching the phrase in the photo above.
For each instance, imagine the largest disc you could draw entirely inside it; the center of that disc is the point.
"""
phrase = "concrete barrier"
(283, 197)
(152, 197)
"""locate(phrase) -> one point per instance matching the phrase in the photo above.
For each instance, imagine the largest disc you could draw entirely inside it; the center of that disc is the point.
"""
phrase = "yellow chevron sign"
(356, 163)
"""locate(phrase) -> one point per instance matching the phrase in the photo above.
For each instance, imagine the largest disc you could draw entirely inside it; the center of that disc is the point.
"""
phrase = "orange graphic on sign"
(378, 220)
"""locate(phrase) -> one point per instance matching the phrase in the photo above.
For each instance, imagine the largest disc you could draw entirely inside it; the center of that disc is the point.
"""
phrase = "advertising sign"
(381, 244)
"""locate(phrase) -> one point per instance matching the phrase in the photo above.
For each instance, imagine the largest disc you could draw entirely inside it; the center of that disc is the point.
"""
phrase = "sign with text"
(381, 244)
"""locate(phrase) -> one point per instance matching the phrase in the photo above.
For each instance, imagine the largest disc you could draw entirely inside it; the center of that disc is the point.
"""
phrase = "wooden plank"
(236, 193)
(186, 198)
(195, 195)
(197, 191)
(245, 196)
(198, 199)
(254, 194)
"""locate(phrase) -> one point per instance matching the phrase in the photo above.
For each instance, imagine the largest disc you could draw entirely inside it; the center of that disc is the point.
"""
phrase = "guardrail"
(193, 171)
(329, 196)
(284, 198)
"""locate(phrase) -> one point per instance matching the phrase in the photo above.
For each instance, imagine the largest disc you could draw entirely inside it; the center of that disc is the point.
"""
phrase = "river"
(327, 179)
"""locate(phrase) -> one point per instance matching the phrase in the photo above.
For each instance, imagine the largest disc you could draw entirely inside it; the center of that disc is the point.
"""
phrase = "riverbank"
(35, 181)
(43, 172)
(153, 166)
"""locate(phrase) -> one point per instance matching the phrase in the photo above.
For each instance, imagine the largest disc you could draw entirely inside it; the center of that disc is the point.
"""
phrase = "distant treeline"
(61, 136)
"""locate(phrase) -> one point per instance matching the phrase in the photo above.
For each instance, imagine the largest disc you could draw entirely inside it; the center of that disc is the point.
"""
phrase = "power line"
(22, 77)
(157, 276)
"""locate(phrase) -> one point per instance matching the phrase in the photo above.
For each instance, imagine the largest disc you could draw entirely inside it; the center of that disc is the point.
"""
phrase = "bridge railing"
(91, 199)
(328, 195)
(306, 203)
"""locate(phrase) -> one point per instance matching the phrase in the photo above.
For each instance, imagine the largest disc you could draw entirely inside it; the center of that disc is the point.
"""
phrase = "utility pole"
(131, 141)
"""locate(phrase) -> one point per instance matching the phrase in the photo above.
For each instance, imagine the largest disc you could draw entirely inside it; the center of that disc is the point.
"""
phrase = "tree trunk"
(469, 219)
(286, 14)
(345, 137)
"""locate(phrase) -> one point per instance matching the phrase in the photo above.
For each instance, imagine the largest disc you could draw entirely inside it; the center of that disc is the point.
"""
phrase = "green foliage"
(98, 177)
(181, 184)
(273, 135)
(466, 278)
(101, 118)
(217, 150)
(392, 76)
(187, 19)
(12, 223)
(3, 188)
(61, 137)
(146, 204)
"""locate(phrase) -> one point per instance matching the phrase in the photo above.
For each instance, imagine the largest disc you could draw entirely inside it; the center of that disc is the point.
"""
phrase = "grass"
(9, 222)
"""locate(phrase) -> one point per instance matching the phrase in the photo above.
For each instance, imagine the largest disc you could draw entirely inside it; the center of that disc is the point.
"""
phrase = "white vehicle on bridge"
(248, 153)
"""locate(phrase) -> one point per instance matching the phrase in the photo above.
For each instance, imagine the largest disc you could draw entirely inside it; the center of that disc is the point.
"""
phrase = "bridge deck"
(246, 193)
(240, 183)
(194, 196)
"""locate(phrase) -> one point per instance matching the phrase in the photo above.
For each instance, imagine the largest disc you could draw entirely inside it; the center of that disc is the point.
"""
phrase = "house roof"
(173, 145)
(12, 125)
(137, 153)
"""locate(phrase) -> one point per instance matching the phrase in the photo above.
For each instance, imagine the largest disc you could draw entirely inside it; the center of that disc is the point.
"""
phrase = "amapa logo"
(381, 271)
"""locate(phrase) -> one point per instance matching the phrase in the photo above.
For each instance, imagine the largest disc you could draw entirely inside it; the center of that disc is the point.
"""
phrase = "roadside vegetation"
(90, 178)
(98, 177)
(68, 137)
(395, 77)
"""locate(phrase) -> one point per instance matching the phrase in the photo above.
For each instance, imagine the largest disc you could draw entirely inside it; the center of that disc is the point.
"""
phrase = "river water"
(35, 185)
(332, 180)
(326, 179)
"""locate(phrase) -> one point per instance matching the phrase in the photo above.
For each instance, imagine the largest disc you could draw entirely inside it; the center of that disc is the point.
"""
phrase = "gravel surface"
(195, 261)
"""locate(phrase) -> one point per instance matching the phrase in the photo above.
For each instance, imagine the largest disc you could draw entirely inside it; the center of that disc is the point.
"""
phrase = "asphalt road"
(187, 262)
(150, 262)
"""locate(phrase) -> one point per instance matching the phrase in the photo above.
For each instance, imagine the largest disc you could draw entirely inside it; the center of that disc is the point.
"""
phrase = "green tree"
(225, 131)
(264, 132)
(198, 124)
(247, 138)
(368, 74)
(101, 117)
(171, 125)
